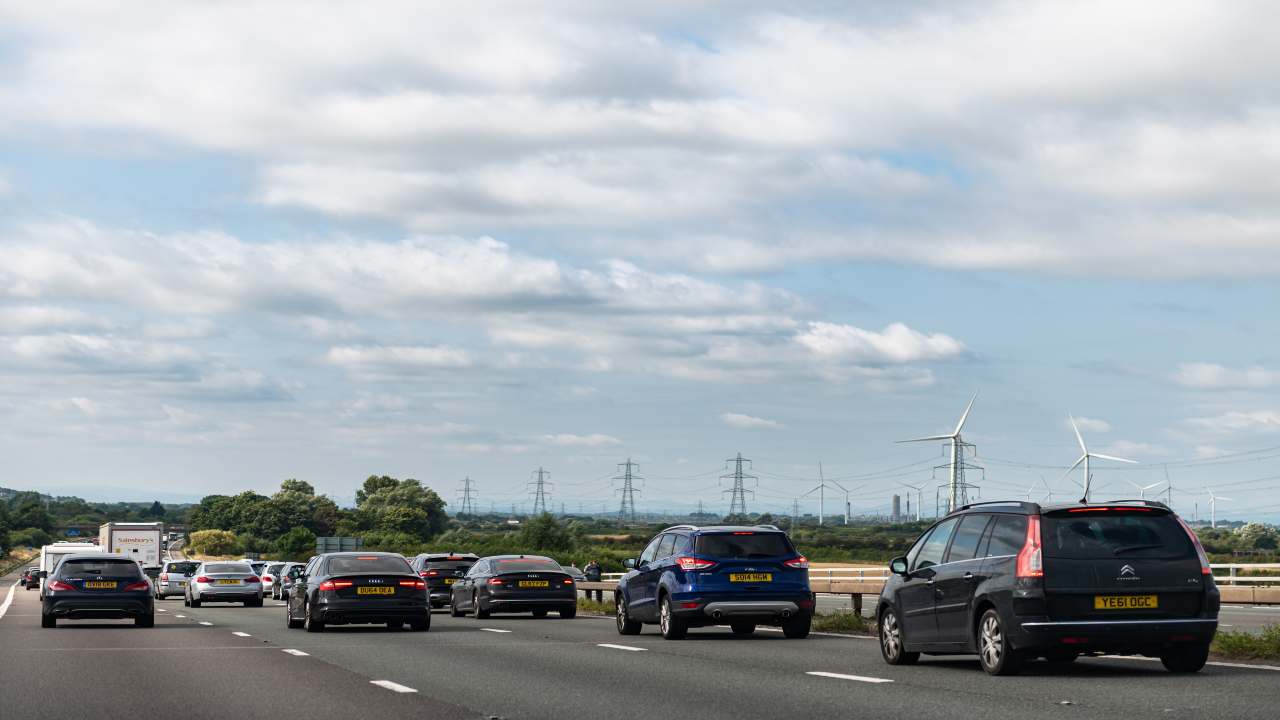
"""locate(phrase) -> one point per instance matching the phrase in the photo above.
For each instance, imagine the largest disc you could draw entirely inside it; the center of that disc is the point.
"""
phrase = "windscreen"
(182, 568)
(1110, 533)
(743, 546)
(510, 565)
(367, 563)
(119, 569)
(228, 568)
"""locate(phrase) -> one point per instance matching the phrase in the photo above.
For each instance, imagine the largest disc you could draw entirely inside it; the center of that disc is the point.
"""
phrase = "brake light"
(137, 587)
(335, 584)
(800, 563)
(1106, 509)
(431, 573)
(424, 573)
(689, 605)
(266, 578)
(252, 579)
(568, 581)
(204, 579)
(413, 584)
(164, 577)
(59, 585)
(743, 532)
(1195, 540)
(1031, 557)
(495, 581)
(693, 563)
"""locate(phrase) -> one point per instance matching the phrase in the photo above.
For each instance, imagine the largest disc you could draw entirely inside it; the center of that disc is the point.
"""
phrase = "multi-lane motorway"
(231, 661)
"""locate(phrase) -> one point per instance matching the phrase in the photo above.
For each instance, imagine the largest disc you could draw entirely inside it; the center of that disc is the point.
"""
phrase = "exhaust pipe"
(716, 615)
(786, 614)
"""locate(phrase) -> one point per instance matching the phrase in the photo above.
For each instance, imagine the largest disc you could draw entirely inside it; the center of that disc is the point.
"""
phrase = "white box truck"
(51, 554)
(137, 541)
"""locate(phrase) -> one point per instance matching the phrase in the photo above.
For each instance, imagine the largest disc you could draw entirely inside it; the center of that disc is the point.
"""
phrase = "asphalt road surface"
(230, 661)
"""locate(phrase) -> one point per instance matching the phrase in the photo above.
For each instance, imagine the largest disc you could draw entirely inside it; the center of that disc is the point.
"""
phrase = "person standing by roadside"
(592, 572)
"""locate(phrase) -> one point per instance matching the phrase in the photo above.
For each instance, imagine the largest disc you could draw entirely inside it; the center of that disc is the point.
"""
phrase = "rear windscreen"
(510, 565)
(367, 563)
(120, 569)
(454, 565)
(228, 568)
(273, 569)
(744, 547)
(1110, 534)
(181, 567)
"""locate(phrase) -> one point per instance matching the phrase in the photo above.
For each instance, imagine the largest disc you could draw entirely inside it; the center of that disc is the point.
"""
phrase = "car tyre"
(195, 603)
(742, 628)
(309, 623)
(455, 611)
(672, 627)
(145, 621)
(479, 612)
(289, 622)
(1186, 659)
(253, 603)
(892, 646)
(994, 652)
(395, 625)
(569, 613)
(797, 627)
(48, 621)
(626, 626)
(422, 625)
(186, 600)
(539, 613)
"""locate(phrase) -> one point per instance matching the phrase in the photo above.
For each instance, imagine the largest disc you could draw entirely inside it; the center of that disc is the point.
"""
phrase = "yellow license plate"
(100, 584)
(372, 590)
(534, 583)
(226, 582)
(450, 581)
(751, 577)
(1126, 602)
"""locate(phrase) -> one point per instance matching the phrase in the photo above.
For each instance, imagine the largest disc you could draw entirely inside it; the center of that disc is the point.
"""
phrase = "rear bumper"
(1113, 635)
(513, 605)
(98, 609)
(346, 612)
(226, 596)
(171, 588)
(701, 609)
(733, 610)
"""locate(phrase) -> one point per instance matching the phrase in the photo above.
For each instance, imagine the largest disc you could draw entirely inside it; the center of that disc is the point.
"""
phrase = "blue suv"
(691, 576)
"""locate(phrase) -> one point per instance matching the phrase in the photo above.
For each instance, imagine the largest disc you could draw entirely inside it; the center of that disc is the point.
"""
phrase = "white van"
(51, 554)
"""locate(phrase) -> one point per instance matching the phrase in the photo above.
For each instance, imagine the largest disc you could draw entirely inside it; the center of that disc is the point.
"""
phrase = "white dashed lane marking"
(299, 653)
(393, 686)
(207, 624)
(495, 630)
(621, 647)
(181, 616)
(241, 634)
(856, 678)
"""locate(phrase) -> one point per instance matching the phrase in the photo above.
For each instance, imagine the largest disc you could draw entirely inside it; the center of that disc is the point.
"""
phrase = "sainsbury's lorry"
(140, 542)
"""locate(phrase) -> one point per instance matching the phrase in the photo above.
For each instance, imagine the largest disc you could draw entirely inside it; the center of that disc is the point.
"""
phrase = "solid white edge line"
(393, 686)
(297, 653)
(840, 676)
(1215, 663)
(237, 633)
(4, 607)
(497, 630)
(621, 647)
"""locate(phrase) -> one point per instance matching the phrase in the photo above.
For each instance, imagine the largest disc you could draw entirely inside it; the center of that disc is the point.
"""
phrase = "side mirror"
(629, 563)
(898, 566)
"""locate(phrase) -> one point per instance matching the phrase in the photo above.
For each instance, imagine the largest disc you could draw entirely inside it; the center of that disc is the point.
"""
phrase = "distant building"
(896, 516)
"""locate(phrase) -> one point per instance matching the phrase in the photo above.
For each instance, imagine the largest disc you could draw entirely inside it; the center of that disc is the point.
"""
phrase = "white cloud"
(739, 421)
(95, 353)
(591, 440)
(1239, 421)
(41, 318)
(397, 359)
(1210, 376)
(1090, 425)
(897, 343)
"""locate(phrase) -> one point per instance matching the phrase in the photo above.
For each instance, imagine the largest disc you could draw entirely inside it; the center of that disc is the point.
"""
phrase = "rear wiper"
(1117, 551)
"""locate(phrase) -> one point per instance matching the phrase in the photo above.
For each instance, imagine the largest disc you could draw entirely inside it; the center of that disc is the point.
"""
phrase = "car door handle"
(929, 582)
(969, 576)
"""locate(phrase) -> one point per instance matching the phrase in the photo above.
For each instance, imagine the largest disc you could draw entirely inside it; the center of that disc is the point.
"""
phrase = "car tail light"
(413, 584)
(252, 579)
(137, 587)
(164, 577)
(689, 605)
(1075, 641)
(495, 581)
(806, 604)
(1031, 557)
(335, 584)
(204, 579)
(800, 563)
(431, 573)
(568, 581)
(266, 578)
(59, 585)
(693, 563)
(744, 532)
(1195, 540)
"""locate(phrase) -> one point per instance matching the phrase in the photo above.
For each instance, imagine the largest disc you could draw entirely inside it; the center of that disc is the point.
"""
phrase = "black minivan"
(1013, 581)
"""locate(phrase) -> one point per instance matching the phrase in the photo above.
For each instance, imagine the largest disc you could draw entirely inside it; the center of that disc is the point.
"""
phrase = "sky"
(241, 243)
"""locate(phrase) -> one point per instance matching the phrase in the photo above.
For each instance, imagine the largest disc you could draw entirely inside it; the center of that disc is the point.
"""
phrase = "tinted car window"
(744, 547)
(450, 565)
(664, 549)
(367, 563)
(181, 568)
(683, 543)
(933, 548)
(968, 535)
(274, 568)
(1114, 534)
(1007, 535)
(509, 565)
(650, 551)
(232, 568)
(121, 569)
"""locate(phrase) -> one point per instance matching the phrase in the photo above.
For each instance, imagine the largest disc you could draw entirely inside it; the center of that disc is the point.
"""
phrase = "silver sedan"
(224, 582)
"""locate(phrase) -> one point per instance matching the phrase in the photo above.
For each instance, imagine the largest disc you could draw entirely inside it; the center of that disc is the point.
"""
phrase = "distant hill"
(107, 494)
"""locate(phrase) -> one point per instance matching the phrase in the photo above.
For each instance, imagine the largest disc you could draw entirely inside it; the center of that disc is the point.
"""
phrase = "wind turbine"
(1048, 491)
(1085, 457)
(1213, 507)
(1142, 489)
(957, 455)
(919, 497)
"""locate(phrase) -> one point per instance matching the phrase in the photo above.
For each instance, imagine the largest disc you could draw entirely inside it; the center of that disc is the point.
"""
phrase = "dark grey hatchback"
(95, 585)
(1013, 581)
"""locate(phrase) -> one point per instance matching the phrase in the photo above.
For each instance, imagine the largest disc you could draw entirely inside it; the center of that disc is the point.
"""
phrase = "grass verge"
(843, 622)
(1248, 646)
(591, 607)
(15, 561)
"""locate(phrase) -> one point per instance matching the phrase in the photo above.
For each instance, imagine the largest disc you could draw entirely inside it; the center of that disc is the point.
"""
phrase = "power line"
(468, 498)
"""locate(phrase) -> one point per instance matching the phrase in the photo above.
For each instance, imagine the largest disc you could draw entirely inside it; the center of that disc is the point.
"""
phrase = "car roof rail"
(768, 527)
(685, 526)
(1033, 507)
(1142, 502)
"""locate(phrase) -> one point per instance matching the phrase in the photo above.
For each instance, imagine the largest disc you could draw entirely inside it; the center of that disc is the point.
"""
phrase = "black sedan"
(93, 585)
(358, 587)
(29, 580)
(515, 584)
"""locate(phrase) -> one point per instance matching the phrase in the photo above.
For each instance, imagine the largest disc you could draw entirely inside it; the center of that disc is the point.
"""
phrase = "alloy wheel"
(891, 635)
(991, 641)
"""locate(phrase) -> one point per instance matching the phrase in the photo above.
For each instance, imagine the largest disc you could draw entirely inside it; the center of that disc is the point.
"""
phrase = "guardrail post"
(857, 603)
